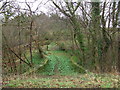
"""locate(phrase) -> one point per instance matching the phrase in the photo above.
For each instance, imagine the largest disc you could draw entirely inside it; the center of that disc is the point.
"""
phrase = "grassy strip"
(59, 63)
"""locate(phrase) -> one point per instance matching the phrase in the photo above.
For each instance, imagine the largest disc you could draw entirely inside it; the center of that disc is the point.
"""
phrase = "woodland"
(71, 45)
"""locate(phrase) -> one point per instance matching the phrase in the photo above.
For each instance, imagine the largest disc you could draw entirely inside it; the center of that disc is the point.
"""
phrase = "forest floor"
(57, 81)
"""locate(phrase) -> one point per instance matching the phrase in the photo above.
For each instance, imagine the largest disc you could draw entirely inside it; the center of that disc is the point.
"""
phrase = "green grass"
(37, 59)
(58, 60)
(49, 68)
(59, 63)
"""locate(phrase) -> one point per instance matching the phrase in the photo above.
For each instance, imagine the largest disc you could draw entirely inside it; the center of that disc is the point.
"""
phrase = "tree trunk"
(31, 57)
(118, 50)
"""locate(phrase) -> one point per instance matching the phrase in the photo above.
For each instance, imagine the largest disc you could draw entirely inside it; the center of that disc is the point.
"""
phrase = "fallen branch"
(36, 68)
(15, 53)
(77, 64)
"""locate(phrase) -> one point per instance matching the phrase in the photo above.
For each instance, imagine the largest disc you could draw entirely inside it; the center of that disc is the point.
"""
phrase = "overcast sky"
(44, 6)
(34, 4)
